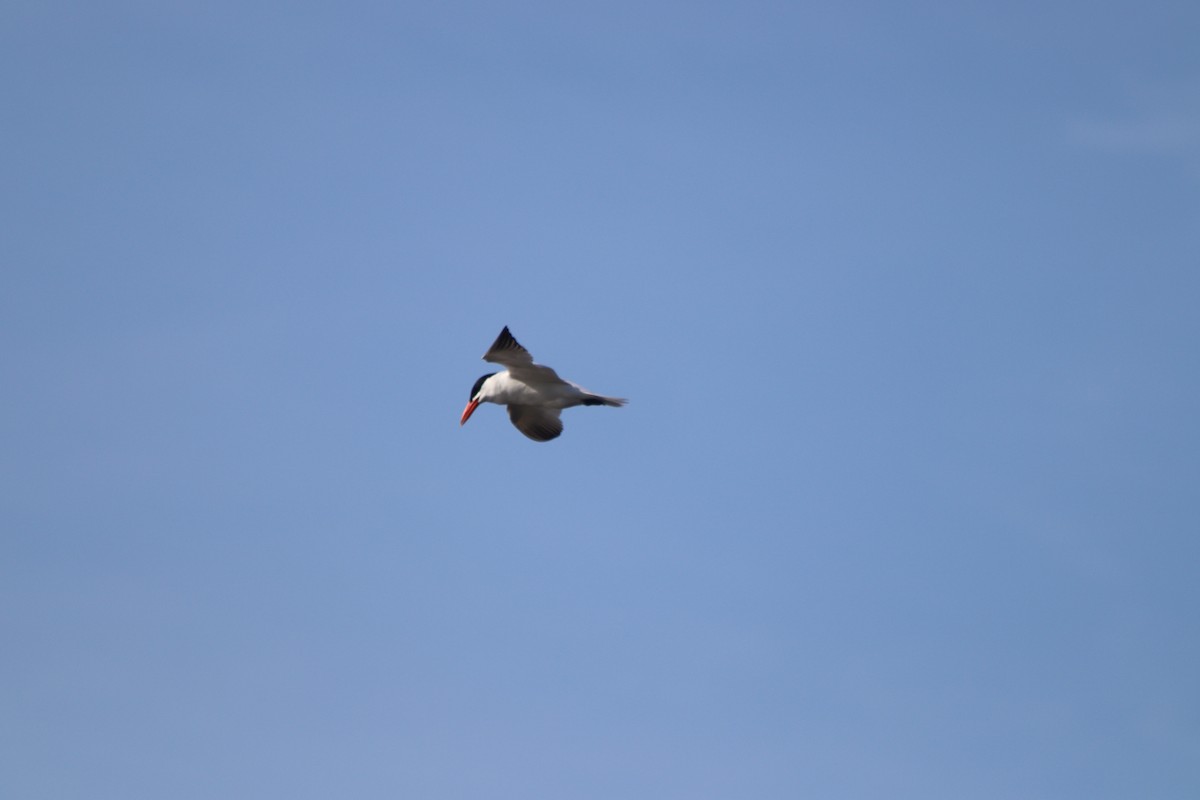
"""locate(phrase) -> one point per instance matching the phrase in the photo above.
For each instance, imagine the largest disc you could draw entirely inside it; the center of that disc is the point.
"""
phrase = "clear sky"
(905, 298)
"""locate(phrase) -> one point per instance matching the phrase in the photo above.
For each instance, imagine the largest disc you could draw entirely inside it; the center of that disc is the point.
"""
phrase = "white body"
(532, 389)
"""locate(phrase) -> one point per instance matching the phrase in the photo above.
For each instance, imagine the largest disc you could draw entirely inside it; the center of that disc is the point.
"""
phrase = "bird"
(534, 394)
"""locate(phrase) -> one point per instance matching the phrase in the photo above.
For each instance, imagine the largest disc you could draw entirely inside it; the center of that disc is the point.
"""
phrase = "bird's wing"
(508, 352)
(537, 422)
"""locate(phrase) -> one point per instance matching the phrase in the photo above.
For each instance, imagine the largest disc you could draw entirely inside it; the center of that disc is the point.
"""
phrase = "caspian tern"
(534, 394)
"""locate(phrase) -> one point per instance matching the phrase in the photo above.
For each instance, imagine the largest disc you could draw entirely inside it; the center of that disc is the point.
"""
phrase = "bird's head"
(475, 399)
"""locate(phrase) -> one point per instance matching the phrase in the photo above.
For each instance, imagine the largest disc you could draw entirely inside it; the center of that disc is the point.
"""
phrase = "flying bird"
(534, 394)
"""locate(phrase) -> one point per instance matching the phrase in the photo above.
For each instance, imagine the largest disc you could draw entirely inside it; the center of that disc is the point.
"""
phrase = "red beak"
(468, 411)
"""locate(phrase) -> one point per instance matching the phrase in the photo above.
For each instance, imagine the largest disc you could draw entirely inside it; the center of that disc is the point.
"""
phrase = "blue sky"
(904, 298)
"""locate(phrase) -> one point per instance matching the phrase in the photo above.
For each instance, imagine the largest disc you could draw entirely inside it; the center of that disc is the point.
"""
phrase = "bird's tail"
(601, 400)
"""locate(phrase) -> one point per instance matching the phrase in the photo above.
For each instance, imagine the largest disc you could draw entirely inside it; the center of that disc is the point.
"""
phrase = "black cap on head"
(478, 385)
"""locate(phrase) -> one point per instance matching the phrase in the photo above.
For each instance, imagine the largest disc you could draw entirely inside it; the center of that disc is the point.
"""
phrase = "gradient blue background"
(905, 503)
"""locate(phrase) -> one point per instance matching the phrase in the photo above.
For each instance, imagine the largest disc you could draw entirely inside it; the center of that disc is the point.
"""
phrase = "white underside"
(533, 388)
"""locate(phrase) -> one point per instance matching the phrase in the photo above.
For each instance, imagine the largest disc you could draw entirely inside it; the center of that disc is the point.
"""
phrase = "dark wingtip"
(505, 341)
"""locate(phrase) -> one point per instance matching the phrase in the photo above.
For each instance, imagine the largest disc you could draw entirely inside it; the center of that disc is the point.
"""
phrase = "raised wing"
(508, 351)
(537, 422)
